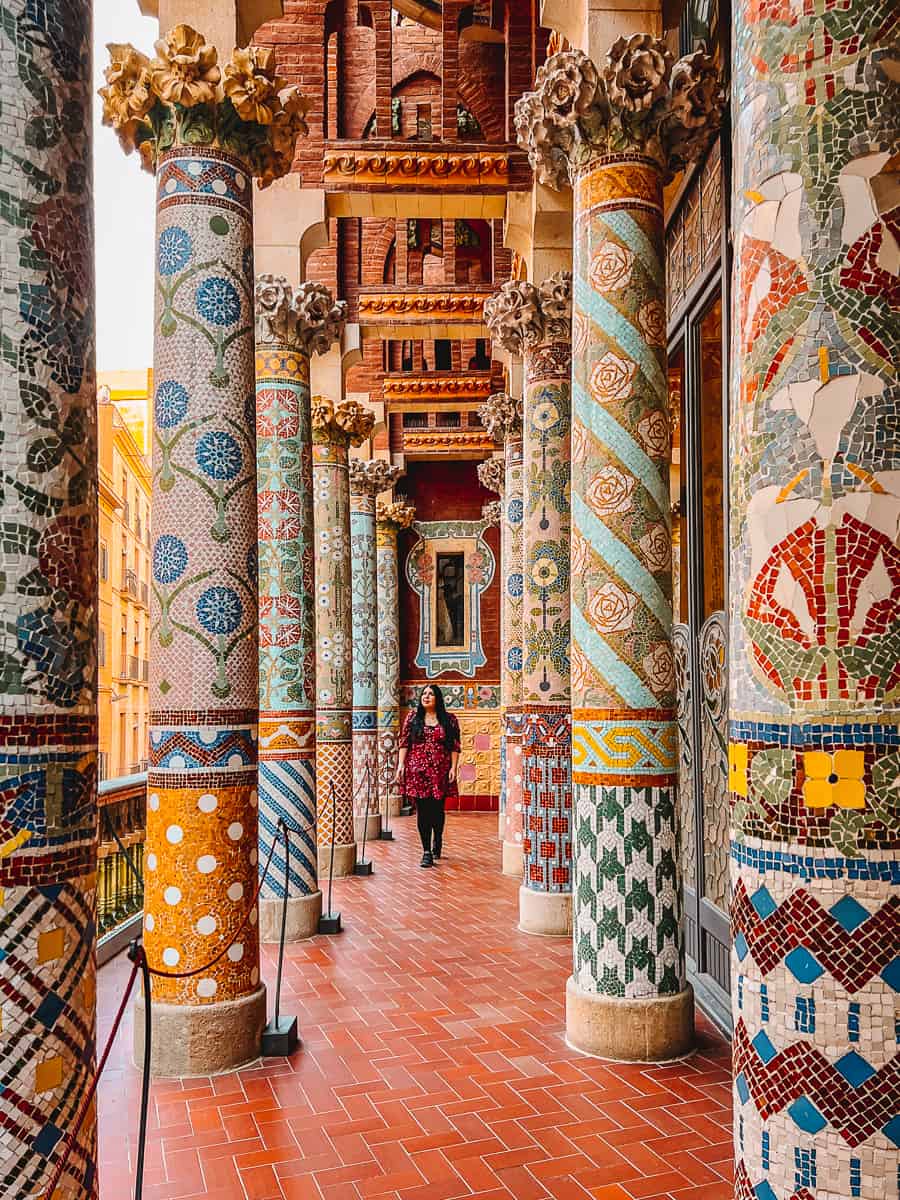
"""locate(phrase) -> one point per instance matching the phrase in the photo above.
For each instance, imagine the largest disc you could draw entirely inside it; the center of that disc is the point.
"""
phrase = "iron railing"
(121, 815)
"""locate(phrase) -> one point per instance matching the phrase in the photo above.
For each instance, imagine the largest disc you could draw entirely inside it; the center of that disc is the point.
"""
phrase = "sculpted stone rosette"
(369, 477)
(556, 305)
(501, 416)
(347, 423)
(639, 105)
(513, 315)
(492, 512)
(320, 318)
(491, 474)
(399, 513)
(180, 99)
(273, 305)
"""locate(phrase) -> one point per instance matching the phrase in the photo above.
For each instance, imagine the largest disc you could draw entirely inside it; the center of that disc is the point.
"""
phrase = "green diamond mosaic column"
(390, 517)
(48, 602)
(367, 479)
(616, 134)
(814, 755)
(291, 324)
(536, 323)
(206, 142)
(335, 428)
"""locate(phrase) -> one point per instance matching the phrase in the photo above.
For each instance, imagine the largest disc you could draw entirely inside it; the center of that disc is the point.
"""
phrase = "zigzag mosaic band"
(287, 790)
(628, 933)
(388, 643)
(547, 790)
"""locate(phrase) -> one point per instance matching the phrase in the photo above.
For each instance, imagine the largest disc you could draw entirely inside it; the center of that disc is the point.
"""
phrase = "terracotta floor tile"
(433, 1067)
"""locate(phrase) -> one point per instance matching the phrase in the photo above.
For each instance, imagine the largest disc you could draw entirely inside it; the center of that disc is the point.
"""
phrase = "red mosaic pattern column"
(814, 669)
(335, 427)
(48, 605)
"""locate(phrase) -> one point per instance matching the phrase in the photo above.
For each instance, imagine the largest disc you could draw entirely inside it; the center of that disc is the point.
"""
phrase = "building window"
(442, 355)
(451, 600)
(102, 765)
(104, 561)
(101, 648)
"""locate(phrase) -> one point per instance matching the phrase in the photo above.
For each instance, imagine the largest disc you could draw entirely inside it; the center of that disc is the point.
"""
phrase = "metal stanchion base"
(330, 923)
(363, 868)
(405, 810)
(281, 1039)
(386, 835)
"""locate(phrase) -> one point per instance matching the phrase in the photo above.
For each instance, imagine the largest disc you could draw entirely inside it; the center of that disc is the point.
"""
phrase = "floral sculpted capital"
(306, 317)
(344, 424)
(639, 104)
(369, 477)
(501, 416)
(492, 475)
(395, 514)
(492, 512)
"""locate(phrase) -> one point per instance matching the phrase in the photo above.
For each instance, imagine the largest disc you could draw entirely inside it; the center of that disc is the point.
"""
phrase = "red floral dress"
(428, 762)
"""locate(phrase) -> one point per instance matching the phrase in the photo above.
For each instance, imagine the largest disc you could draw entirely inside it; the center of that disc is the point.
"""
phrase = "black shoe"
(427, 860)
(436, 853)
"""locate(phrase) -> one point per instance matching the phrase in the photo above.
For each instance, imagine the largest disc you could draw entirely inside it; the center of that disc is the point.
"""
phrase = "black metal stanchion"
(363, 865)
(386, 834)
(281, 1037)
(330, 922)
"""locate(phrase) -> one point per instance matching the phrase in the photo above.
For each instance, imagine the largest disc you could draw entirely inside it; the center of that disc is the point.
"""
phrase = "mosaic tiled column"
(501, 416)
(617, 134)
(290, 325)
(48, 604)
(815, 603)
(536, 322)
(389, 519)
(367, 479)
(201, 854)
(335, 428)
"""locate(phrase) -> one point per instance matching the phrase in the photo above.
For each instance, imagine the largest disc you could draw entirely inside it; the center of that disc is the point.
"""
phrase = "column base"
(547, 914)
(512, 861)
(201, 1039)
(303, 914)
(373, 827)
(645, 1029)
(344, 860)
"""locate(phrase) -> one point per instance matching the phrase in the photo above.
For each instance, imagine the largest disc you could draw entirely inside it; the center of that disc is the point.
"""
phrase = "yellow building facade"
(124, 570)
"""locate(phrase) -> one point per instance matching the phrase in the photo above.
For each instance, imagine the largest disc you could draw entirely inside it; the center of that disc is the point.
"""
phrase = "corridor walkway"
(433, 1066)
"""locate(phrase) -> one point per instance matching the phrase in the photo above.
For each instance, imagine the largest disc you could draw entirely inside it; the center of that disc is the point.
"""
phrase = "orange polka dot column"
(201, 856)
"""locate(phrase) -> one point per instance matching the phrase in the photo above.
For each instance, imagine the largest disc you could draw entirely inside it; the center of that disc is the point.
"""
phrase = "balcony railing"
(122, 805)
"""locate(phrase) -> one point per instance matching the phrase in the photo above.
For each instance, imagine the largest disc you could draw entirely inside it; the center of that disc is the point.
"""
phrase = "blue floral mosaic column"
(335, 428)
(617, 134)
(290, 325)
(48, 602)
(389, 519)
(367, 479)
(205, 141)
(815, 601)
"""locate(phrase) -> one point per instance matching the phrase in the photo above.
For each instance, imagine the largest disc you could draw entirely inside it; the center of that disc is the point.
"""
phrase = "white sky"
(124, 212)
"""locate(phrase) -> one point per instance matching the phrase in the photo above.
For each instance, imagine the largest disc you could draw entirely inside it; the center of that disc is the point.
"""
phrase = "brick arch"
(478, 90)
(365, 106)
(376, 249)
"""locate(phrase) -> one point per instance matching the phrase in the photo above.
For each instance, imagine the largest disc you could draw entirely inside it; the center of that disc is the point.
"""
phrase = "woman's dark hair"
(417, 724)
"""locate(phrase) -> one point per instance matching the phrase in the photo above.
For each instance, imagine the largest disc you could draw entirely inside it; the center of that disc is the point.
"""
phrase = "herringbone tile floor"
(433, 1066)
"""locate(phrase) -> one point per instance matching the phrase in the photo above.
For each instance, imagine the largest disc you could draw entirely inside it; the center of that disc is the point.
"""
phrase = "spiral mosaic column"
(537, 321)
(367, 479)
(290, 325)
(335, 427)
(814, 751)
(48, 605)
(389, 519)
(201, 853)
(627, 997)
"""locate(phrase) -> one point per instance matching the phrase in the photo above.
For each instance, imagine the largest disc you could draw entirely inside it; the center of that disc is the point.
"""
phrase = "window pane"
(451, 600)
(712, 482)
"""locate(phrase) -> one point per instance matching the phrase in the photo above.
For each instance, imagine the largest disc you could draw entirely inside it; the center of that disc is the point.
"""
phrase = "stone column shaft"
(48, 605)
(335, 427)
(617, 134)
(367, 479)
(187, 118)
(290, 323)
(814, 599)
(389, 519)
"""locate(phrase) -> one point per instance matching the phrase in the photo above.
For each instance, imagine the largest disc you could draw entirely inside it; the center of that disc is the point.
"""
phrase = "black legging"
(430, 817)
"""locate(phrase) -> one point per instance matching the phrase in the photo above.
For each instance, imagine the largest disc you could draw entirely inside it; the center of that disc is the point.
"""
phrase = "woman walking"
(426, 766)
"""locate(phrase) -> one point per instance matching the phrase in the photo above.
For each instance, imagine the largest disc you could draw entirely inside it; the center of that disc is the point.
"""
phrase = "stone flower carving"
(491, 474)
(399, 513)
(637, 72)
(611, 266)
(556, 304)
(695, 90)
(320, 318)
(321, 412)
(273, 304)
(547, 145)
(127, 97)
(184, 71)
(611, 609)
(610, 491)
(492, 512)
(571, 88)
(501, 416)
(611, 378)
(371, 476)
(252, 85)
(355, 421)
(513, 315)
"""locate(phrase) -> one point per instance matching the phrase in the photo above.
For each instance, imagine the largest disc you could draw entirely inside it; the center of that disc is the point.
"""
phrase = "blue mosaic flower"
(515, 512)
(514, 658)
(217, 301)
(515, 585)
(171, 404)
(219, 456)
(219, 610)
(170, 558)
(175, 249)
